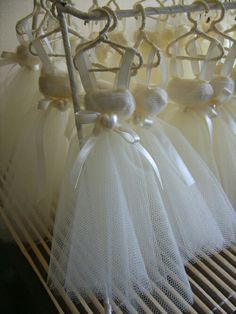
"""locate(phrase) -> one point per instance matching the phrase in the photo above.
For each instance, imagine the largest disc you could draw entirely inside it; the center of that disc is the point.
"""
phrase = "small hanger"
(213, 26)
(143, 37)
(22, 27)
(102, 38)
(199, 34)
(46, 35)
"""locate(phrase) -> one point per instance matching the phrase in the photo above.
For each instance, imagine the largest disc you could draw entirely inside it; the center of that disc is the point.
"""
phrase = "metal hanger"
(142, 35)
(199, 34)
(213, 26)
(103, 38)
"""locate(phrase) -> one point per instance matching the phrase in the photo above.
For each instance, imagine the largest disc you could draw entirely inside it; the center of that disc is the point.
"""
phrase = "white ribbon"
(8, 58)
(129, 135)
(209, 125)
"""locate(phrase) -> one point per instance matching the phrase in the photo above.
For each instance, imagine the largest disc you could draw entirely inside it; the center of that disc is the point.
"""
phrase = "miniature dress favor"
(112, 236)
(201, 228)
(16, 98)
(34, 176)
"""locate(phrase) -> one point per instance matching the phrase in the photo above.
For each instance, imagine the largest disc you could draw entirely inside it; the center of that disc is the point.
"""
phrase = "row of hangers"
(48, 11)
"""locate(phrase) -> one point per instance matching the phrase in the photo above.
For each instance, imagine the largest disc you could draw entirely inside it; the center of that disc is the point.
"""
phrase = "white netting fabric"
(112, 236)
(214, 141)
(193, 223)
(31, 182)
(15, 101)
(207, 183)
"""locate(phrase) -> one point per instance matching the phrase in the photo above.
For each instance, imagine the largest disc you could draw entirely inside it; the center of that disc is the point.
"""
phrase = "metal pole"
(95, 16)
(70, 67)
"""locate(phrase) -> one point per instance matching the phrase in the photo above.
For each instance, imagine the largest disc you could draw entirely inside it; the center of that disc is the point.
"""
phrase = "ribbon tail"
(41, 157)
(80, 160)
(149, 158)
(129, 135)
(4, 62)
(209, 126)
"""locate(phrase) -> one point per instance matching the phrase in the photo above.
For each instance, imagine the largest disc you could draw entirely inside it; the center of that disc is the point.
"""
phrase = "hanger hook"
(114, 17)
(199, 2)
(140, 9)
(222, 13)
(108, 15)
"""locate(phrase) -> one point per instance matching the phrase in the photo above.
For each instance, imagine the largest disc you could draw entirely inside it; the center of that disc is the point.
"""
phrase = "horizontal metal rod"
(95, 16)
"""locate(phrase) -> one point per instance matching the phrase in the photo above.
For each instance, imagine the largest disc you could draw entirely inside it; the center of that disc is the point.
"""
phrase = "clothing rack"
(95, 16)
(213, 279)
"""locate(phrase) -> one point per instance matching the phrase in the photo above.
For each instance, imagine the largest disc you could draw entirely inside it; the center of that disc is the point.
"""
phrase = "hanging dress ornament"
(30, 189)
(17, 94)
(201, 124)
(112, 236)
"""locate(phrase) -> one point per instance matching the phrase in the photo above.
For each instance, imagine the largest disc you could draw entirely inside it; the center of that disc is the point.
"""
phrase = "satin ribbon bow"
(12, 58)
(104, 121)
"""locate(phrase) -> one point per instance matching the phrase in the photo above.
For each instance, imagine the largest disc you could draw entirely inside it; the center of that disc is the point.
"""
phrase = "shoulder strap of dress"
(88, 78)
(162, 65)
(208, 65)
(123, 75)
(193, 50)
(176, 65)
(229, 61)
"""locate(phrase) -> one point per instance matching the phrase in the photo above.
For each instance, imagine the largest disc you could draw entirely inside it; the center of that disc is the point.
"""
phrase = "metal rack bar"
(95, 16)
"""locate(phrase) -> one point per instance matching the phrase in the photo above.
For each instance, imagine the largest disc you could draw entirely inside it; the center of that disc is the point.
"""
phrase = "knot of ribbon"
(144, 122)
(109, 122)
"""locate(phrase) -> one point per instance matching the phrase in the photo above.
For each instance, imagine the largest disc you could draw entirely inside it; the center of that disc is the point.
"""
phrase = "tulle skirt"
(228, 113)
(112, 235)
(216, 144)
(30, 186)
(192, 221)
(16, 100)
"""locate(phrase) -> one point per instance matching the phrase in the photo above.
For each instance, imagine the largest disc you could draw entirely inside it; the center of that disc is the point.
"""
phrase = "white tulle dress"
(112, 235)
(30, 188)
(203, 127)
(17, 93)
(202, 227)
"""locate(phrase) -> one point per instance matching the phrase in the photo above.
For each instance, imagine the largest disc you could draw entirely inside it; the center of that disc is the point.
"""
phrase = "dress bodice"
(150, 100)
(55, 85)
(110, 101)
(190, 93)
